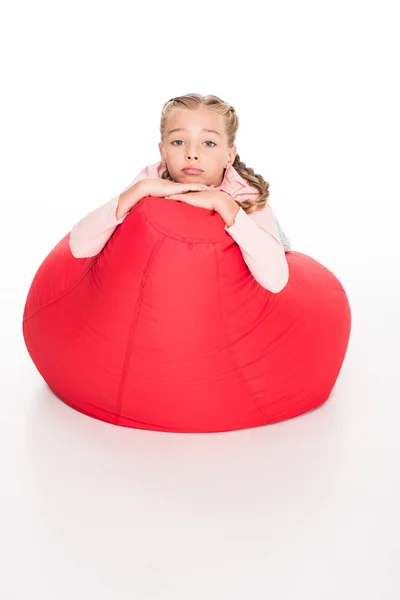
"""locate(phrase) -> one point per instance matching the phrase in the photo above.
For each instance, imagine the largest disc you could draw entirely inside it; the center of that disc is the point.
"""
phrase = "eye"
(173, 143)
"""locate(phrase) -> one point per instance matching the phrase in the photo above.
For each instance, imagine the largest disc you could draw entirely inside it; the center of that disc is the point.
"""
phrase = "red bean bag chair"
(166, 328)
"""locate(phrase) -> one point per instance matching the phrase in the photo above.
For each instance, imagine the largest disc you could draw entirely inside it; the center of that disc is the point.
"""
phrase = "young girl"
(198, 132)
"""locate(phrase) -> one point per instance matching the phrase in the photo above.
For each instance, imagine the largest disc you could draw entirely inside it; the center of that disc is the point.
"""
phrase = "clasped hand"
(203, 199)
(196, 194)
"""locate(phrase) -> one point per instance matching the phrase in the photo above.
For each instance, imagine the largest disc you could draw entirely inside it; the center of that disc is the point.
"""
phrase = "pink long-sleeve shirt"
(256, 234)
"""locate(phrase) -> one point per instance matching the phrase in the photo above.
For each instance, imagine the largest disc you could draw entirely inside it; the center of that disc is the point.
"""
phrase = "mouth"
(192, 171)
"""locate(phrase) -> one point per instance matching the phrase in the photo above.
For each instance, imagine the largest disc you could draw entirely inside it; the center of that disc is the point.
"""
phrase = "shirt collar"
(233, 177)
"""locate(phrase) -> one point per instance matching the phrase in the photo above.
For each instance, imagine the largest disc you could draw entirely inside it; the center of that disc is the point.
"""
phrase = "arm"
(89, 235)
(257, 235)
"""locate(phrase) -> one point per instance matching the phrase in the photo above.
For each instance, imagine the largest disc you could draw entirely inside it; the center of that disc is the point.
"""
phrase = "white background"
(306, 508)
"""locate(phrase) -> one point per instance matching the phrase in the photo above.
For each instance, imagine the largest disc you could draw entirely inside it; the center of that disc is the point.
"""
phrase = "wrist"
(130, 197)
(226, 207)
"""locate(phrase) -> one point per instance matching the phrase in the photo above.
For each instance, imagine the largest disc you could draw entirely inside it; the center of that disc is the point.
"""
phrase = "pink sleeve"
(89, 235)
(258, 237)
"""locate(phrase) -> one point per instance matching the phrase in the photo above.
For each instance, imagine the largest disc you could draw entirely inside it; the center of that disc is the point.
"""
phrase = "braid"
(255, 180)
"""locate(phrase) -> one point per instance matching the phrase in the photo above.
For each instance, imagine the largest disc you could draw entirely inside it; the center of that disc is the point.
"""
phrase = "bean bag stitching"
(114, 418)
(237, 369)
(219, 240)
(66, 292)
(132, 329)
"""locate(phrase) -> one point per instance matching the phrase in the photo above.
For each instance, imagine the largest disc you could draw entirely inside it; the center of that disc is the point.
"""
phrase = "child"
(243, 206)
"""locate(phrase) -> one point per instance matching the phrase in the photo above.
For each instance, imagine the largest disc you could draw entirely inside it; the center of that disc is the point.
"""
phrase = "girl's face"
(192, 146)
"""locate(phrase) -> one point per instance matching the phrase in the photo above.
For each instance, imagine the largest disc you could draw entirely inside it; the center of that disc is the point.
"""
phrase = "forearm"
(257, 236)
(90, 234)
(227, 208)
(129, 198)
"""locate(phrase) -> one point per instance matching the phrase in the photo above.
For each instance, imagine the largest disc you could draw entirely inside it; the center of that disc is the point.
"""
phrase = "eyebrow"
(183, 129)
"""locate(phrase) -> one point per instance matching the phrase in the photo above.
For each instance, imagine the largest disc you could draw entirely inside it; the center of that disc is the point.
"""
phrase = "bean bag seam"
(63, 293)
(251, 393)
(114, 419)
(220, 240)
(128, 352)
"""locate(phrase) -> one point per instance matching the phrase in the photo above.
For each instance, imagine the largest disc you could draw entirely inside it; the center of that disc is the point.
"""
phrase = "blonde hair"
(215, 104)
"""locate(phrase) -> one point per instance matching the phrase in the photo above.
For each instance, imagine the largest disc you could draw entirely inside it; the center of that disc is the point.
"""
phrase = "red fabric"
(166, 329)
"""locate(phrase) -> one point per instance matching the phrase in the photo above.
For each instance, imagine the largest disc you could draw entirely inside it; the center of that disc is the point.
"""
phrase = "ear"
(232, 154)
(161, 149)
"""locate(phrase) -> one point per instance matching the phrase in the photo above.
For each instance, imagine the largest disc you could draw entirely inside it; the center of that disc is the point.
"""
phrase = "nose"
(192, 154)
